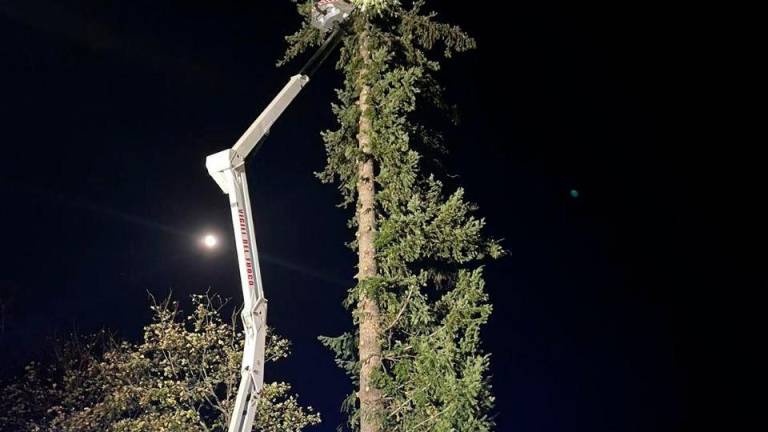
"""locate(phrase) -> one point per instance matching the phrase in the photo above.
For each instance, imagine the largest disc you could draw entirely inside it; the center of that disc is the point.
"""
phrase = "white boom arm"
(228, 169)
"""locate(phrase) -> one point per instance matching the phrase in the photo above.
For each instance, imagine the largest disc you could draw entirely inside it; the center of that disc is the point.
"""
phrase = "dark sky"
(108, 110)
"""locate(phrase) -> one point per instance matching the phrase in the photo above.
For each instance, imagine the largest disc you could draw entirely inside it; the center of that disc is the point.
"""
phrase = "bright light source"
(210, 241)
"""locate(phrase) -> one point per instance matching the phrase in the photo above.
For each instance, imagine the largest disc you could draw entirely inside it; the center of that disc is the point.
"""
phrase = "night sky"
(108, 110)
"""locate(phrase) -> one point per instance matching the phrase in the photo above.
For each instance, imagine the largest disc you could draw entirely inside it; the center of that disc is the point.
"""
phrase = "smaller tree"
(183, 376)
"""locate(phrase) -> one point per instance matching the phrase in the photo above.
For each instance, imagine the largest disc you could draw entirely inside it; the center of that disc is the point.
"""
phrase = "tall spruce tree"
(420, 301)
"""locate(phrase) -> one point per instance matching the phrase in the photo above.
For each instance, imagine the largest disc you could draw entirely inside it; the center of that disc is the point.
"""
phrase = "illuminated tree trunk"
(369, 315)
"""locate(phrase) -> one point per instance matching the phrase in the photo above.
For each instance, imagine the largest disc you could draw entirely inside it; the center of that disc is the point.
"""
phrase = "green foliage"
(375, 6)
(183, 376)
(429, 244)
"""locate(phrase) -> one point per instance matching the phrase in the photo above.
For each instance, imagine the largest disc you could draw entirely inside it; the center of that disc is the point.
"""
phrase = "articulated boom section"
(228, 169)
(234, 183)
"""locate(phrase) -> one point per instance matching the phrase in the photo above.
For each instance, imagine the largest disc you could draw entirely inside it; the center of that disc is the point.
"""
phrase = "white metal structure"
(228, 170)
(328, 13)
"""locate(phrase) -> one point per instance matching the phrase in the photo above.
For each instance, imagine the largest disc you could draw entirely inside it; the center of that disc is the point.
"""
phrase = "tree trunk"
(371, 404)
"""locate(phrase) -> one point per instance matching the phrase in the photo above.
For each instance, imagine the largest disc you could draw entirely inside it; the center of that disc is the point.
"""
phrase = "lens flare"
(210, 241)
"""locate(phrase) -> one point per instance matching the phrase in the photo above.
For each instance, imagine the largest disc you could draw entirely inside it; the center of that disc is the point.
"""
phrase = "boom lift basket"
(328, 13)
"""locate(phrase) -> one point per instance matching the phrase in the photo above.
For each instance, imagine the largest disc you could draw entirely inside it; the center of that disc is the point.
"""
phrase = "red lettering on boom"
(246, 248)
